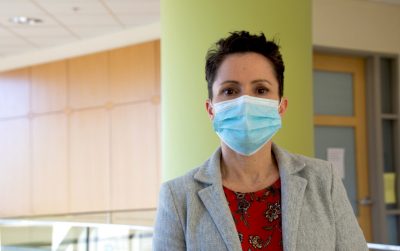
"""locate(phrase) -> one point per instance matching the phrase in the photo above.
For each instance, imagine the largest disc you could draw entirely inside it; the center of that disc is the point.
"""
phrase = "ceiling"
(67, 21)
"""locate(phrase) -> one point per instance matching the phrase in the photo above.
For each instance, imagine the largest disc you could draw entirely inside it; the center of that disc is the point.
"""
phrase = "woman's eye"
(228, 92)
(262, 90)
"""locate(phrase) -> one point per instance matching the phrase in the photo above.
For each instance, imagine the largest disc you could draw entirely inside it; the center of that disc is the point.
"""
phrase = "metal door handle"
(366, 201)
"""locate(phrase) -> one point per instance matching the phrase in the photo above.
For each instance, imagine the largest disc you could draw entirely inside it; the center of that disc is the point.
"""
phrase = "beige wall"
(81, 134)
(357, 24)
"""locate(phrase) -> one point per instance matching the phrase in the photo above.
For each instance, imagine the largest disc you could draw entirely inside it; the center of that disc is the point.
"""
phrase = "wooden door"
(340, 126)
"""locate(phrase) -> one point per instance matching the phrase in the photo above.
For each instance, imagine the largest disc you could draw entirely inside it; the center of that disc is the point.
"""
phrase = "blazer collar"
(288, 163)
(210, 172)
(292, 193)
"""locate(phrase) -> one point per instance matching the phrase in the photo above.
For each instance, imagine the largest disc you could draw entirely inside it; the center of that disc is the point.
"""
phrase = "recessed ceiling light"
(25, 20)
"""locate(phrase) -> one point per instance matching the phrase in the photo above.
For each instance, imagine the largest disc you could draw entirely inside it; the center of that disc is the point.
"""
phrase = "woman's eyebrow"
(261, 81)
(230, 82)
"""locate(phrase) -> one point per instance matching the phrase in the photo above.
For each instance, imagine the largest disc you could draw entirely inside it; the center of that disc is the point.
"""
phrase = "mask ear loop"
(279, 105)
(212, 108)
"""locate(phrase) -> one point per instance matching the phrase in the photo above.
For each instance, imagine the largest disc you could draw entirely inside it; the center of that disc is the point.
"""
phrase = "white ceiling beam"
(119, 39)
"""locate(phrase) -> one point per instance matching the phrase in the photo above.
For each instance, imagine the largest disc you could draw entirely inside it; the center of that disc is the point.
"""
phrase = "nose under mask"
(247, 123)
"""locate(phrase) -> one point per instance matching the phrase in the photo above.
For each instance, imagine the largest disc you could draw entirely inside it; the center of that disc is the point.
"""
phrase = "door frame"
(355, 65)
(374, 129)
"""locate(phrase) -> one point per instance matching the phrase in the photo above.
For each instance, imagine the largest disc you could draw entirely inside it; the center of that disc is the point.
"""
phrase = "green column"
(188, 29)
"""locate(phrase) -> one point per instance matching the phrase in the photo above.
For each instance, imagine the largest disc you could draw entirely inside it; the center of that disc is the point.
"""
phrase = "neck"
(248, 173)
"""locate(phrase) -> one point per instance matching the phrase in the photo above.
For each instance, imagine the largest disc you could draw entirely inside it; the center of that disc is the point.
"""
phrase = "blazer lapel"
(292, 191)
(214, 200)
(292, 199)
(221, 215)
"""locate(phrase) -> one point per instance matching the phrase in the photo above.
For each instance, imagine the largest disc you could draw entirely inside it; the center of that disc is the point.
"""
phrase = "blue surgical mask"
(247, 123)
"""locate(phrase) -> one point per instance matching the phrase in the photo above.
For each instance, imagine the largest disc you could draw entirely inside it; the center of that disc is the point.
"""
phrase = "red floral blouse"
(257, 217)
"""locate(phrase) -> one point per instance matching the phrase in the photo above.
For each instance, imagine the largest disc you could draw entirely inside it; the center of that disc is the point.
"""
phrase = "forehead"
(245, 66)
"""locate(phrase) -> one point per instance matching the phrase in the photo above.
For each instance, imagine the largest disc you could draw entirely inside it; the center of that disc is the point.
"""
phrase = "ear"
(209, 109)
(283, 106)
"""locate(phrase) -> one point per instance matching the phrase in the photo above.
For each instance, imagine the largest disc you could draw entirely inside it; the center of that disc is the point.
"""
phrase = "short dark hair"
(241, 42)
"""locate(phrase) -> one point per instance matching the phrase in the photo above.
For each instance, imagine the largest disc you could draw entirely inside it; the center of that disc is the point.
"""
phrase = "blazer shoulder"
(313, 162)
(184, 184)
(315, 168)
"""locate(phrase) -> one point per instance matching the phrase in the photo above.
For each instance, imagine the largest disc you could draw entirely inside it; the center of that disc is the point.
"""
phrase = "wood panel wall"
(81, 134)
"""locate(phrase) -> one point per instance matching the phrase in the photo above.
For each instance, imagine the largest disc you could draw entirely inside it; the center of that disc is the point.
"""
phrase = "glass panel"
(340, 137)
(392, 226)
(387, 89)
(42, 235)
(387, 137)
(333, 93)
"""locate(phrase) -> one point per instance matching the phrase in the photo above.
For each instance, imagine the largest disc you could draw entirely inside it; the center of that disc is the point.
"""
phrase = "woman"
(251, 194)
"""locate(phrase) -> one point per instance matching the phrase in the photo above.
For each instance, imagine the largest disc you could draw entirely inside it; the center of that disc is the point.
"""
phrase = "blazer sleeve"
(168, 230)
(349, 235)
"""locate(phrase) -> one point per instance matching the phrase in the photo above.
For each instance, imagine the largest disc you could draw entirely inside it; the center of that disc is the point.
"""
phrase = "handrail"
(37, 223)
(65, 235)
(376, 246)
(117, 211)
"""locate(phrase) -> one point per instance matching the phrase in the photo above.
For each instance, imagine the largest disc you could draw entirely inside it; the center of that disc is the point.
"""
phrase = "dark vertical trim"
(375, 156)
(396, 142)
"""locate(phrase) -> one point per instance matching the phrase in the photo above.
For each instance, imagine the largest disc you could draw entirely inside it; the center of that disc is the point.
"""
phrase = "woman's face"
(245, 74)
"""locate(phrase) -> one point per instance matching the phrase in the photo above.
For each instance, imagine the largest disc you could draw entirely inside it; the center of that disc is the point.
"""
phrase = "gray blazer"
(193, 213)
